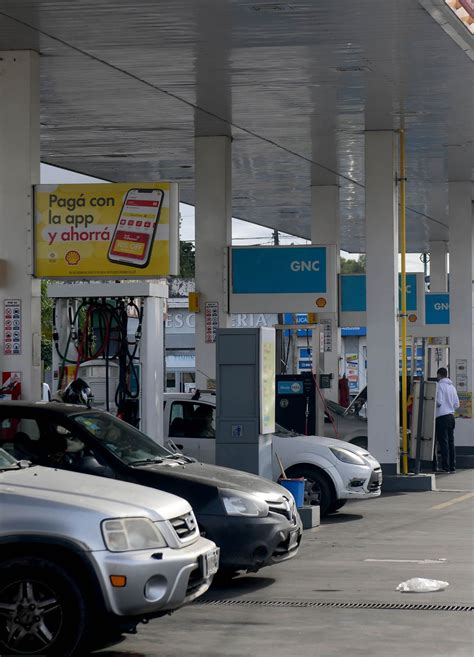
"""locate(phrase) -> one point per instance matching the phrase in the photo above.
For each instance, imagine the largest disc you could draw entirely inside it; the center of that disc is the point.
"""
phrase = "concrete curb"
(310, 516)
(465, 461)
(409, 483)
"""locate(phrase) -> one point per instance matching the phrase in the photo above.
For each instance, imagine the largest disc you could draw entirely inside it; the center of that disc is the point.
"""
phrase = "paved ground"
(359, 555)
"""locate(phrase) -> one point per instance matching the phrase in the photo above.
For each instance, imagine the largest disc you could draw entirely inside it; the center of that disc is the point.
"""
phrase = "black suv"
(253, 520)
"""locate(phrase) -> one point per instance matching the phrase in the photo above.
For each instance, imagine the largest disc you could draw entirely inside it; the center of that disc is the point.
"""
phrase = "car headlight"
(346, 456)
(241, 504)
(124, 534)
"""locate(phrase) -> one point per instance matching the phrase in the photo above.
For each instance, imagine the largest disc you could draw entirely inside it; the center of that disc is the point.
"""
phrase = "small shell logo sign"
(72, 257)
(321, 302)
(412, 318)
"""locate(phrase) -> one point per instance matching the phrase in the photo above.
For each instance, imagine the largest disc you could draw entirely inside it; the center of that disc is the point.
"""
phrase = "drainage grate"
(309, 604)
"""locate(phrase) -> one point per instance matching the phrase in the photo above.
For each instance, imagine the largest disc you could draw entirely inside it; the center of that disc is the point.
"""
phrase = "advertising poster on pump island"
(122, 230)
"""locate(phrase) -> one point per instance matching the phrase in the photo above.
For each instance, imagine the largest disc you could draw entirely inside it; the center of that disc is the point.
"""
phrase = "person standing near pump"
(447, 401)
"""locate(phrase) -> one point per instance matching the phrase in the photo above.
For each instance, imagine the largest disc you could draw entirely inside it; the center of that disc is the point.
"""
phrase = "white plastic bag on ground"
(421, 585)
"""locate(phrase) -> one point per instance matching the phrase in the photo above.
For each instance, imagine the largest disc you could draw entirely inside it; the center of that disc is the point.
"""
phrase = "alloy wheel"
(312, 492)
(31, 617)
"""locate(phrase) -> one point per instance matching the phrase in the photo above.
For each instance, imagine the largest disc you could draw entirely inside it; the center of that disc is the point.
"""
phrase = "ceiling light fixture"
(352, 69)
(279, 6)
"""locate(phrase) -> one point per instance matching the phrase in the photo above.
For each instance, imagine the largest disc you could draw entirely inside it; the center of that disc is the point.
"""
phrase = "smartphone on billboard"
(134, 234)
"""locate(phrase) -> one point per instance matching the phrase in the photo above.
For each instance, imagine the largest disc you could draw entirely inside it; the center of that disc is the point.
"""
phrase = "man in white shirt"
(447, 402)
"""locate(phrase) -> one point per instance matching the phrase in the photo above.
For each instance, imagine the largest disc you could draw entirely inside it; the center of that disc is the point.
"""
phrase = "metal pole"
(280, 336)
(403, 314)
(421, 404)
(413, 360)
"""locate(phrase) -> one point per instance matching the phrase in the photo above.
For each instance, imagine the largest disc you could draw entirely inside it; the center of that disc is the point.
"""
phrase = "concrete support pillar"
(20, 347)
(382, 298)
(213, 235)
(438, 267)
(325, 230)
(153, 366)
(461, 266)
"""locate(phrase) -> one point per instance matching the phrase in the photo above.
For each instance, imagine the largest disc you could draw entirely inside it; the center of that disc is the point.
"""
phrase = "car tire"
(108, 640)
(225, 576)
(335, 506)
(318, 490)
(42, 610)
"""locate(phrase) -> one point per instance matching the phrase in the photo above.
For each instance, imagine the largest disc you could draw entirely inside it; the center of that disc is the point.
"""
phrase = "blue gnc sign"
(354, 295)
(283, 279)
(437, 308)
(279, 271)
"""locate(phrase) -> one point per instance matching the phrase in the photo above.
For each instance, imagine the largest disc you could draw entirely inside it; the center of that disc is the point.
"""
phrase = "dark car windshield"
(336, 408)
(120, 438)
(7, 462)
(281, 431)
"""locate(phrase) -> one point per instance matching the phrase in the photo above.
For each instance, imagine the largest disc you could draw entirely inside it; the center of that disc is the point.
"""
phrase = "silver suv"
(83, 559)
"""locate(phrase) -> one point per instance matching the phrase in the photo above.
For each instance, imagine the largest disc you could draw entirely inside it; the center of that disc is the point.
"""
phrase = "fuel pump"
(437, 355)
(295, 407)
(106, 355)
(111, 335)
(300, 403)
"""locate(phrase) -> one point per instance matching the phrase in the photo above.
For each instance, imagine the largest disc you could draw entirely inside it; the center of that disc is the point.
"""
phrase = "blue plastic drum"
(296, 488)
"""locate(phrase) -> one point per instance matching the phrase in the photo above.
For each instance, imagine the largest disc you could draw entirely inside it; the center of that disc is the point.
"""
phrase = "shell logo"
(412, 317)
(320, 302)
(72, 257)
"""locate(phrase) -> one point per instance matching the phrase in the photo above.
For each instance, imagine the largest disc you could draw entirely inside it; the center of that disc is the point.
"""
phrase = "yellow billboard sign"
(123, 230)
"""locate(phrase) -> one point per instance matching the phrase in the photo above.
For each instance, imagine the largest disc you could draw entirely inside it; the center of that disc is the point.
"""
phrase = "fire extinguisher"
(344, 398)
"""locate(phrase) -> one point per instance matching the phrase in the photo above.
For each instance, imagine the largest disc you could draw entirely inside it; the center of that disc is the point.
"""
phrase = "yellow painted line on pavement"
(455, 501)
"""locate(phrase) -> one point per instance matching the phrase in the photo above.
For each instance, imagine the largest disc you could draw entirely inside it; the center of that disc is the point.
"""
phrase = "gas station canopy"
(127, 85)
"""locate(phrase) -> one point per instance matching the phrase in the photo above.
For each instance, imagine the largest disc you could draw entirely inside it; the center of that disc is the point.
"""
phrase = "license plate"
(293, 542)
(210, 563)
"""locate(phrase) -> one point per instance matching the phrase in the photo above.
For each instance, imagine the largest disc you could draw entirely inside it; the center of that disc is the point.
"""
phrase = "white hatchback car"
(335, 471)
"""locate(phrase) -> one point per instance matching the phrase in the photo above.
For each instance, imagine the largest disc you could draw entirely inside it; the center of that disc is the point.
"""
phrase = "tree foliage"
(187, 260)
(46, 326)
(353, 266)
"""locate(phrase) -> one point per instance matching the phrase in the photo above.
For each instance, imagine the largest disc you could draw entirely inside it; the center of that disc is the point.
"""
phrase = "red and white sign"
(11, 386)
(211, 315)
(12, 327)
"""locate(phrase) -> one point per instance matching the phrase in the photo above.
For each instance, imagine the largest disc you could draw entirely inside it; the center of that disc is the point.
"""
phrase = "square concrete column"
(461, 273)
(213, 197)
(20, 306)
(382, 298)
(438, 267)
(325, 230)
